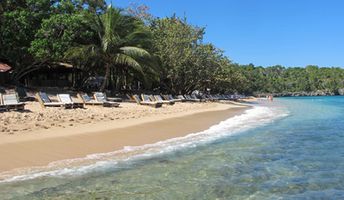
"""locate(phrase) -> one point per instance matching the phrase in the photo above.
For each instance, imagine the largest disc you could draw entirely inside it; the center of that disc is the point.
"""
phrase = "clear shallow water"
(263, 154)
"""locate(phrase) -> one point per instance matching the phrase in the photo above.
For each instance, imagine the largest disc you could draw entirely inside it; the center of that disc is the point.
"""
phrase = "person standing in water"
(271, 98)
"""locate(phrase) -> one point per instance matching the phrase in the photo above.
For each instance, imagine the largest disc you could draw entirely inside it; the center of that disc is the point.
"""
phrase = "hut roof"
(4, 67)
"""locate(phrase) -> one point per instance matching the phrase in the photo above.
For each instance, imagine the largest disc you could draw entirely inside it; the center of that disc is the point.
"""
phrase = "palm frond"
(111, 22)
(123, 59)
(135, 52)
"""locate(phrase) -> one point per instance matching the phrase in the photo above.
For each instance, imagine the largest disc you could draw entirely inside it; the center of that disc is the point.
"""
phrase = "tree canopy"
(132, 49)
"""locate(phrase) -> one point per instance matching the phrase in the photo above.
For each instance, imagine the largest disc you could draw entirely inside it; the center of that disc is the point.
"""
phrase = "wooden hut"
(51, 75)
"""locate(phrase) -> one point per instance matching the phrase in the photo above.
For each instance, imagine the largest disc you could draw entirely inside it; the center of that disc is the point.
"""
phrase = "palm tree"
(119, 45)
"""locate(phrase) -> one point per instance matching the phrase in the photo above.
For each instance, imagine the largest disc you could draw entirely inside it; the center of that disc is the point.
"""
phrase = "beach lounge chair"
(158, 98)
(170, 98)
(45, 101)
(101, 97)
(194, 97)
(114, 99)
(130, 98)
(89, 101)
(149, 98)
(191, 99)
(231, 97)
(10, 101)
(2, 107)
(182, 98)
(188, 98)
(67, 100)
(24, 95)
(223, 97)
(205, 97)
(212, 97)
(218, 97)
(228, 97)
(146, 103)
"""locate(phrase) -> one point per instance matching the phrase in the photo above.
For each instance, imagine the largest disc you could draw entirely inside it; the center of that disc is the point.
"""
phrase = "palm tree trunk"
(106, 77)
(125, 78)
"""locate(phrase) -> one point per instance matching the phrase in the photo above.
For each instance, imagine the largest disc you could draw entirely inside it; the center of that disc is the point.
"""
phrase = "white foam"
(257, 116)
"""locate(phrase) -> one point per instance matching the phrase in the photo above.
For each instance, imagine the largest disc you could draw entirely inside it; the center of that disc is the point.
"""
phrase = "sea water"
(292, 148)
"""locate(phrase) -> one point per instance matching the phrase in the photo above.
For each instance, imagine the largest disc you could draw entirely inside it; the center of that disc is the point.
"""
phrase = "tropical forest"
(129, 49)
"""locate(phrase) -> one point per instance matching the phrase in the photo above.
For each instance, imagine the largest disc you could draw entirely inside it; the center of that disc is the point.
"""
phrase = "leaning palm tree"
(118, 44)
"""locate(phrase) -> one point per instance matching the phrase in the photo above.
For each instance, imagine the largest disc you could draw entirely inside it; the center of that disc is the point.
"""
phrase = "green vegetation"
(133, 50)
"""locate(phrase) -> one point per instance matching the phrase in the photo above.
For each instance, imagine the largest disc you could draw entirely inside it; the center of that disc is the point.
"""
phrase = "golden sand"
(41, 136)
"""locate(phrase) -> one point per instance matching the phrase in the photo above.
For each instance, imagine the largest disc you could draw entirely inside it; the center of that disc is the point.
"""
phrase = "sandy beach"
(41, 136)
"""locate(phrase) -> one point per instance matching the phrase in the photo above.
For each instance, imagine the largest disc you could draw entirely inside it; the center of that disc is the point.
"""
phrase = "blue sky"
(265, 32)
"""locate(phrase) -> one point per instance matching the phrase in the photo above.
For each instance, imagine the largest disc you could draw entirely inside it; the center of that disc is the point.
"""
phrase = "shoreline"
(42, 147)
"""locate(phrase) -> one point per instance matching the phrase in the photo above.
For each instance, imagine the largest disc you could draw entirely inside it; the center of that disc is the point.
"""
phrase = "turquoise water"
(294, 149)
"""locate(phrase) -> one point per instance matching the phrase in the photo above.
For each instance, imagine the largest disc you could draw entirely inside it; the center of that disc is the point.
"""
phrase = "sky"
(264, 32)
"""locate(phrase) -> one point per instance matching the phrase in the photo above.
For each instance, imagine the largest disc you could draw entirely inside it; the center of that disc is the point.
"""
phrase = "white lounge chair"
(146, 102)
(10, 101)
(89, 101)
(158, 98)
(191, 99)
(182, 98)
(45, 101)
(170, 98)
(67, 100)
(101, 97)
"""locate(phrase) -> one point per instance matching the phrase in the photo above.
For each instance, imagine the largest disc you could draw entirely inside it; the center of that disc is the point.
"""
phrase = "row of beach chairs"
(158, 100)
(99, 98)
(65, 100)
(12, 101)
(155, 101)
(222, 97)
